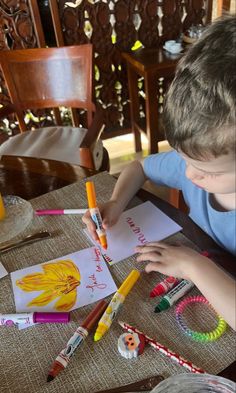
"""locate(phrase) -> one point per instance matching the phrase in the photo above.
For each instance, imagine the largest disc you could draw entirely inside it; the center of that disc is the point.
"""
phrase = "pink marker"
(164, 286)
(34, 317)
(59, 212)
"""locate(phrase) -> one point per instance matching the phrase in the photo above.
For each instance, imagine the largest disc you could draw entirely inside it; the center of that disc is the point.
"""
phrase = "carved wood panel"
(114, 26)
(16, 31)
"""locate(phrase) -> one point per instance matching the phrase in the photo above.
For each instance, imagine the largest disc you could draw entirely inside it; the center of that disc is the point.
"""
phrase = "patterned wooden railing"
(112, 26)
(20, 27)
(16, 31)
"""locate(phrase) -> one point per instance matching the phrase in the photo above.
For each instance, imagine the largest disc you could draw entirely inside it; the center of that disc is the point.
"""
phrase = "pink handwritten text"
(136, 230)
(94, 283)
(97, 260)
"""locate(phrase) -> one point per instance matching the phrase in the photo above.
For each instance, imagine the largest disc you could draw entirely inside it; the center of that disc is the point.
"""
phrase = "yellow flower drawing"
(58, 280)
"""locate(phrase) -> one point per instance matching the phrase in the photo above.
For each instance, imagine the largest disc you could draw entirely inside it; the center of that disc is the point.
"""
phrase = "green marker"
(174, 295)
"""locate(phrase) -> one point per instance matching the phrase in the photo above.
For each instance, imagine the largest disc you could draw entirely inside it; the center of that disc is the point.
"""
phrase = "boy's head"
(200, 114)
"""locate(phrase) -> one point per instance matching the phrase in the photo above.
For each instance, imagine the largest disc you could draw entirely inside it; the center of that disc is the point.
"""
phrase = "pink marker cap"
(48, 212)
(51, 317)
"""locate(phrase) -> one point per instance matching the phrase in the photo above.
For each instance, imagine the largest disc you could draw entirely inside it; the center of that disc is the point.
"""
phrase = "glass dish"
(195, 383)
(19, 214)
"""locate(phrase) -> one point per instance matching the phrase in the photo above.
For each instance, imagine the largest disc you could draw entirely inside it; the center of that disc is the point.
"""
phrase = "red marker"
(170, 282)
(163, 287)
(76, 340)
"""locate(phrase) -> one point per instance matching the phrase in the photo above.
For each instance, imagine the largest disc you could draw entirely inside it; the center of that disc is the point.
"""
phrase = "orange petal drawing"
(43, 299)
(66, 302)
(59, 280)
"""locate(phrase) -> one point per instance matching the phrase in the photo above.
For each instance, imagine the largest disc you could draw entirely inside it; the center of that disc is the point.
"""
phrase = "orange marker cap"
(91, 196)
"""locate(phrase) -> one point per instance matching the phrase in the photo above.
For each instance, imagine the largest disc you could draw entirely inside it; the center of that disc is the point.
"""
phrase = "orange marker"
(95, 213)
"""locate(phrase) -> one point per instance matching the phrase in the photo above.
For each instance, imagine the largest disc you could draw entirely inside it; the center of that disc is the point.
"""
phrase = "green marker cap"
(163, 305)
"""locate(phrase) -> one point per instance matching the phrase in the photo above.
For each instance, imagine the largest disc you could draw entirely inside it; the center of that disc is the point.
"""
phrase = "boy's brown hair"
(199, 116)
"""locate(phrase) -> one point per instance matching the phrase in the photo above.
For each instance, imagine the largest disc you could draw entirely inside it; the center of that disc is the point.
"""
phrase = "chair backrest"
(48, 78)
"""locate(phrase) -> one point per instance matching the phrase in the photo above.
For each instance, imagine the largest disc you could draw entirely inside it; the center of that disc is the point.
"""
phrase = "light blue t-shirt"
(168, 169)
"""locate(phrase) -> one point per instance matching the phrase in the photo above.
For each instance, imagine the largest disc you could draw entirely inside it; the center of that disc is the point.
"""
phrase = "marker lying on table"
(78, 337)
(175, 294)
(178, 290)
(95, 213)
(34, 317)
(115, 303)
(164, 286)
(54, 212)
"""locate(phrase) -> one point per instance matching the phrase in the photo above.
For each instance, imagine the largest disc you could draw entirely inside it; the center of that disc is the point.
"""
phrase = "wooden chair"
(176, 199)
(42, 78)
(223, 6)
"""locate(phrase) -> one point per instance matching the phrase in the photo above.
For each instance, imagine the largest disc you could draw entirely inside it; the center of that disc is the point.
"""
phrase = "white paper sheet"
(83, 279)
(3, 271)
(136, 226)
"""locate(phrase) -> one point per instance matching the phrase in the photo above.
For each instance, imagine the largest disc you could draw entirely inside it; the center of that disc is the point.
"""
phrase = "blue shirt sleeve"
(165, 169)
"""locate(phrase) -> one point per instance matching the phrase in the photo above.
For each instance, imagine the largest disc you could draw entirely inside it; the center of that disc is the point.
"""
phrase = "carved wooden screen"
(114, 26)
(20, 27)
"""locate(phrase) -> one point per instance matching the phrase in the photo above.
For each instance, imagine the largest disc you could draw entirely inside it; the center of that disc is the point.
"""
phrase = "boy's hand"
(110, 213)
(172, 260)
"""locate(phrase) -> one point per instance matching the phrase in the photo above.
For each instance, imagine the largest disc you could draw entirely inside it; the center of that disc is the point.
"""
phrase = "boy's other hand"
(110, 212)
(172, 260)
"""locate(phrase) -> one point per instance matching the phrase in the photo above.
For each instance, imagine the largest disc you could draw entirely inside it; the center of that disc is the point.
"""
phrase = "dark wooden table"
(32, 177)
(150, 64)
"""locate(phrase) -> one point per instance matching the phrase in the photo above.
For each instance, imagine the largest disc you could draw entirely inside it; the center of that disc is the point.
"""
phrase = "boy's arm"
(179, 261)
(129, 182)
(217, 286)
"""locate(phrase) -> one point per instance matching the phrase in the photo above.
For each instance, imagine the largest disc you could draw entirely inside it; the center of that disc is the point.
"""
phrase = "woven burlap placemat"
(26, 355)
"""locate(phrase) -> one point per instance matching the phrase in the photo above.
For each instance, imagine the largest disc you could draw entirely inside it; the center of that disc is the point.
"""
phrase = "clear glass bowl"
(19, 214)
(195, 383)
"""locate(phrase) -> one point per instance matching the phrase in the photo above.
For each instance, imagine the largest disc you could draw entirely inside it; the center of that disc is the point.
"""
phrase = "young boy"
(200, 125)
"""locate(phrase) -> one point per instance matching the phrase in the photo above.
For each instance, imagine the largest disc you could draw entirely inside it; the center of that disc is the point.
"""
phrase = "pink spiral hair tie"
(198, 336)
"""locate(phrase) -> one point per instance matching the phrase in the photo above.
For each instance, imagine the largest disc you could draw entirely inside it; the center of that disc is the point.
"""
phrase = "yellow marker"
(2, 209)
(95, 213)
(115, 303)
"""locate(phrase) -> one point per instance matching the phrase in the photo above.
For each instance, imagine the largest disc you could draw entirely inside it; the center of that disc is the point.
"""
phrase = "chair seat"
(54, 143)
